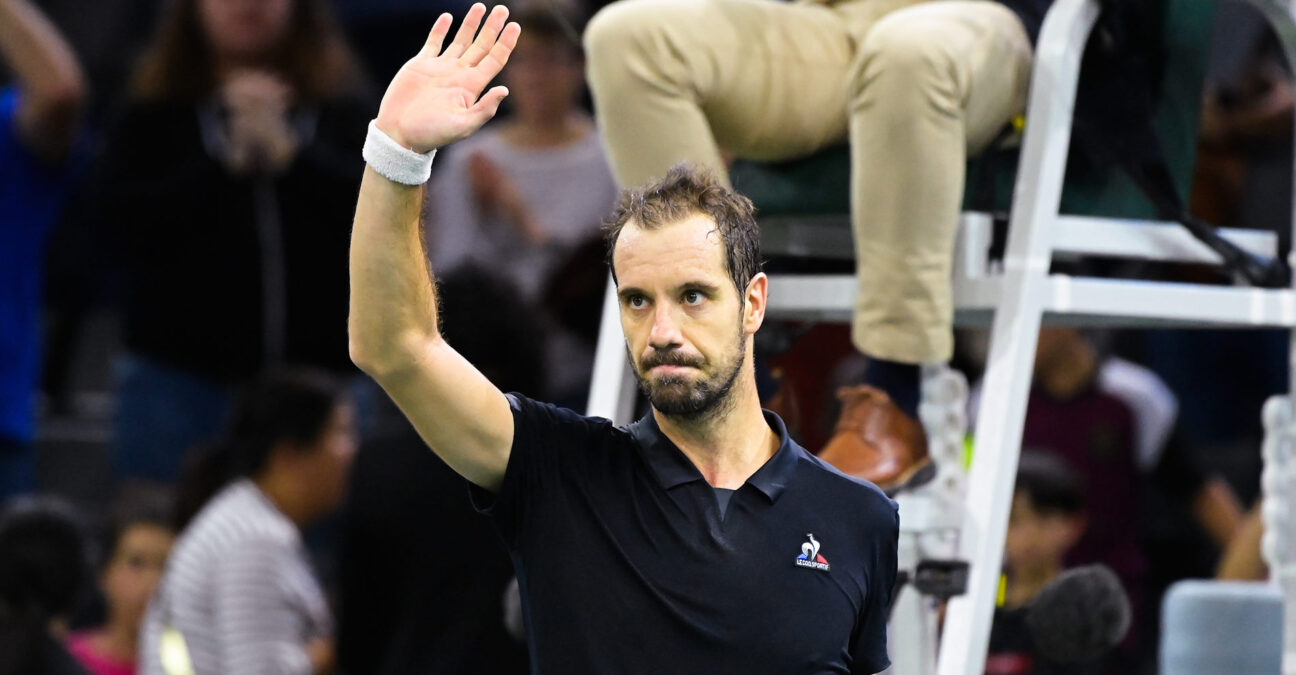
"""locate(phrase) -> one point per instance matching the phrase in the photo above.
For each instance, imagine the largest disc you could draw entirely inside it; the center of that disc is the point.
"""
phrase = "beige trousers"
(915, 85)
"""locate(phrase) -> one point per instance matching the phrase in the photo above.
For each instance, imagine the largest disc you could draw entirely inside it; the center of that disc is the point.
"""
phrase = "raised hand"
(436, 97)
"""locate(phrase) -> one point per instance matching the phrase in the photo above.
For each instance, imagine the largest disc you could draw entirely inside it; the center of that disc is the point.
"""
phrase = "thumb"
(488, 105)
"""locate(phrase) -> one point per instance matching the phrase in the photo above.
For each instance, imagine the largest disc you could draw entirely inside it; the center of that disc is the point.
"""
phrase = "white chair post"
(1278, 482)
(1280, 412)
(612, 388)
(1038, 193)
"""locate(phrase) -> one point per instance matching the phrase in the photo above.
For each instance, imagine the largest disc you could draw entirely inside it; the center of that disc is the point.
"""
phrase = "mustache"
(669, 358)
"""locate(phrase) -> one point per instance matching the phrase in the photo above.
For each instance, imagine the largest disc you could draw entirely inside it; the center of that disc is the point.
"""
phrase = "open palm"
(436, 97)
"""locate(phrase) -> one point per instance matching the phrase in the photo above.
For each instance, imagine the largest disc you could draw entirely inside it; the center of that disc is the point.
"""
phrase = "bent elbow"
(383, 359)
(365, 357)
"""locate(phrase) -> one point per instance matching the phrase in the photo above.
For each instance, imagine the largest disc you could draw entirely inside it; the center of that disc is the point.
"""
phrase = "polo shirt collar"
(673, 468)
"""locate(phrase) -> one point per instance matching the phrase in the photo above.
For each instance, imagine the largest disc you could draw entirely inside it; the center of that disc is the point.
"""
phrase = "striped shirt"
(239, 590)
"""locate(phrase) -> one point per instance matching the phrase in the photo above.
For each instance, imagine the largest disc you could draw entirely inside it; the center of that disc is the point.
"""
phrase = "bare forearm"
(1218, 511)
(32, 47)
(1241, 560)
(393, 303)
(53, 87)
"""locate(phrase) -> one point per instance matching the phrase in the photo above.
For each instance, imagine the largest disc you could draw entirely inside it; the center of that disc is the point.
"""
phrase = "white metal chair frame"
(1015, 299)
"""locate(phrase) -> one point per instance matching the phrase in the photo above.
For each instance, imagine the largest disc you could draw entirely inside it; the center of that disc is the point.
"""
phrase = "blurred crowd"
(193, 473)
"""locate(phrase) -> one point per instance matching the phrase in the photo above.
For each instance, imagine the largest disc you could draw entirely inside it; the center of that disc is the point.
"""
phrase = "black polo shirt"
(627, 566)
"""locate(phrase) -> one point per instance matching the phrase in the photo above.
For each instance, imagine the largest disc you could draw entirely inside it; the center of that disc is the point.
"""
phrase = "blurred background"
(175, 226)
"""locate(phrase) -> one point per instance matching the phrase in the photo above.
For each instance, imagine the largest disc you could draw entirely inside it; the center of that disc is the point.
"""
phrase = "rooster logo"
(810, 555)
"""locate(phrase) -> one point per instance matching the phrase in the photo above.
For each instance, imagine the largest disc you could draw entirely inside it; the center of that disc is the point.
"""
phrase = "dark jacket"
(207, 256)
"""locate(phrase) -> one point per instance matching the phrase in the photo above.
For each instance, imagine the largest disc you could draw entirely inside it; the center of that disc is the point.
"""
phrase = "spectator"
(1047, 520)
(914, 86)
(522, 196)
(238, 594)
(228, 185)
(39, 120)
(1112, 422)
(135, 552)
(42, 571)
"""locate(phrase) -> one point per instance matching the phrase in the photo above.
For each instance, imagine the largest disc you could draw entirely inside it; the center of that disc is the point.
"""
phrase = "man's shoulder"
(839, 487)
(533, 414)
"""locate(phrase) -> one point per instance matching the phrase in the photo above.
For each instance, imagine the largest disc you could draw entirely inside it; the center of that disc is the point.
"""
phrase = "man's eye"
(693, 297)
(636, 301)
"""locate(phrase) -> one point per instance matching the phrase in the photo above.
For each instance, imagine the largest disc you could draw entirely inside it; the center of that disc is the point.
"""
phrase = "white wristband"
(394, 161)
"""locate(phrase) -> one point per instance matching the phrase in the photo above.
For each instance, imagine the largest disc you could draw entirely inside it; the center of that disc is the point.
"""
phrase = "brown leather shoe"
(875, 440)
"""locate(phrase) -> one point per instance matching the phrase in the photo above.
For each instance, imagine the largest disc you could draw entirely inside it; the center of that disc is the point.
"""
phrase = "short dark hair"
(44, 557)
(1050, 484)
(288, 404)
(43, 571)
(554, 24)
(137, 504)
(686, 191)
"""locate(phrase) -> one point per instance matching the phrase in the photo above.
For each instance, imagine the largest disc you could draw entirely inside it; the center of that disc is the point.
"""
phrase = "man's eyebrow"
(708, 288)
(628, 291)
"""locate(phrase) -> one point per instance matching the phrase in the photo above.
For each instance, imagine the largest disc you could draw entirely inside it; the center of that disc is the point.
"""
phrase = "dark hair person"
(238, 591)
(198, 39)
(43, 565)
(133, 553)
(226, 188)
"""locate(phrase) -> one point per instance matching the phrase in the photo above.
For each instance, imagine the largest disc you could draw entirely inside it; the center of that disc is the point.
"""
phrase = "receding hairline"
(632, 222)
(713, 234)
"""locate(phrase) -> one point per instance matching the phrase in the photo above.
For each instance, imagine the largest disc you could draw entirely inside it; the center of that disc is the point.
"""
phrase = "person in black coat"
(226, 189)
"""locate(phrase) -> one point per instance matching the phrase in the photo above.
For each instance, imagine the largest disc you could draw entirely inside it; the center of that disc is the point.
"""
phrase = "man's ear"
(754, 303)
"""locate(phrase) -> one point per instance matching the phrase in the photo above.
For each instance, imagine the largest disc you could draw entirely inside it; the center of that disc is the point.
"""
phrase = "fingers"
(437, 37)
(487, 37)
(467, 29)
(494, 60)
(487, 105)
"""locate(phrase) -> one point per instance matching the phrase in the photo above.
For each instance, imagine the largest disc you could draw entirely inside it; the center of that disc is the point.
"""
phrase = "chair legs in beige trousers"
(915, 86)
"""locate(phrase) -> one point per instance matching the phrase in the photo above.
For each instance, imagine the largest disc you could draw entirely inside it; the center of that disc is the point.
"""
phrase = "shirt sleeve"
(258, 628)
(869, 652)
(549, 443)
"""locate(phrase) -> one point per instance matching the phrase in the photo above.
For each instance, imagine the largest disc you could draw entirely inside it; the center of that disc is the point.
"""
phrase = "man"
(40, 117)
(699, 539)
(915, 86)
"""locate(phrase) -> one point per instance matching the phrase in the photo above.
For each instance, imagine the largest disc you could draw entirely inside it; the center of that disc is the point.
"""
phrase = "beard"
(676, 395)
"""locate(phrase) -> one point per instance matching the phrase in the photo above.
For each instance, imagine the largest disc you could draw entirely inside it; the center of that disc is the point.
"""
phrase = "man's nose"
(665, 328)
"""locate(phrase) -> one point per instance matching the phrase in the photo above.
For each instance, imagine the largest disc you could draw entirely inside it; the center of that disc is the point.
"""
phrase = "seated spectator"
(1112, 422)
(522, 196)
(43, 565)
(135, 551)
(1046, 521)
(238, 594)
(914, 86)
(39, 120)
(227, 187)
